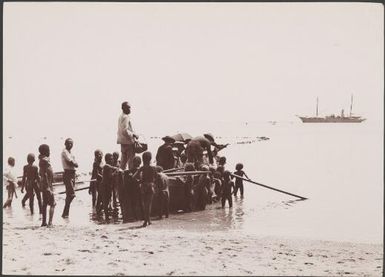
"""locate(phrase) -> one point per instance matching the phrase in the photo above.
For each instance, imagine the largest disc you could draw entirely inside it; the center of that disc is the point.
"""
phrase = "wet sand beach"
(126, 249)
(209, 242)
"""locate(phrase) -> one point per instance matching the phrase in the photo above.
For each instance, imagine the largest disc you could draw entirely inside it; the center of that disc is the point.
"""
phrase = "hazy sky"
(69, 66)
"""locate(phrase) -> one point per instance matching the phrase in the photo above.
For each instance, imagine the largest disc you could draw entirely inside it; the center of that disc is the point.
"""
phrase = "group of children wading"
(132, 190)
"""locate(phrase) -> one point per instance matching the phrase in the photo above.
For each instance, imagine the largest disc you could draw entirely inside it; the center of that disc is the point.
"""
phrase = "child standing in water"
(11, 182)
(132, 190)
(227, 189)
(188, 183)
(115, 191)
(147, 173)
(239, 181)
(69, 175)
(201, 191)
(217, 186)
(109, 172)
(46, 180)
(97, 174)
(30, 183)
(161, 181)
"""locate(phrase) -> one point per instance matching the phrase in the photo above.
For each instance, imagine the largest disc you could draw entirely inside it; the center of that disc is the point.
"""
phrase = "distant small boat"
(333, 118)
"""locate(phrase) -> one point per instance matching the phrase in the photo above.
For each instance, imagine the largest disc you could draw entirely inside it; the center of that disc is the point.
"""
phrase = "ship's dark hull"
(331, 120)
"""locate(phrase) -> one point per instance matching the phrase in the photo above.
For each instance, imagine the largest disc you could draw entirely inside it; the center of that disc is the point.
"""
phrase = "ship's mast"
(351, 105)
(316, 111)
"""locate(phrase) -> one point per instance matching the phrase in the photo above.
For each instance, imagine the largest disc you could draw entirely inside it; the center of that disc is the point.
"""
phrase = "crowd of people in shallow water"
(131, 185)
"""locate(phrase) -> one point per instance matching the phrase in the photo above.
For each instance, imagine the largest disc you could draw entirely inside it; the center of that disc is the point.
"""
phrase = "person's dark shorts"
(49, 198)
(29, 189)
(69, 182)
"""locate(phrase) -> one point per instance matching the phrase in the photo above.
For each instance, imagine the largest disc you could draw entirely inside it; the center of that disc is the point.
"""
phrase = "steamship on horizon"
(333, 118)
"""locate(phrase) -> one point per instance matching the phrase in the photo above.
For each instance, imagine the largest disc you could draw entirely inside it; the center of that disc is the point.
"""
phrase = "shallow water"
(339, 167)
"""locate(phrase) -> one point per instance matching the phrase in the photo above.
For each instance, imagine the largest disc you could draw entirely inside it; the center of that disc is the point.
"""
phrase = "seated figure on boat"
(165, 156)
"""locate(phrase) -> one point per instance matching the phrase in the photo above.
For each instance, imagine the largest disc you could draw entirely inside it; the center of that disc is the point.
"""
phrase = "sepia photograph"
(193, 138)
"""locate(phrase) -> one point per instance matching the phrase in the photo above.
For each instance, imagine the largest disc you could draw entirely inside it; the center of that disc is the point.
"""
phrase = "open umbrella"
(181, 137)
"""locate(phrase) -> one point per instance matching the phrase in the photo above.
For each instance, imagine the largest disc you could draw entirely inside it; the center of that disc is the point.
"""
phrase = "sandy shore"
(126, 249)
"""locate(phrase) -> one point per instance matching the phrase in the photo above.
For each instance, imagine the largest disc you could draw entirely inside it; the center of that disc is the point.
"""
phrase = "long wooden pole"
(77, 182)
(185, 173)
(172, 170)
(55, 173)
(62, 192)
(259, 184)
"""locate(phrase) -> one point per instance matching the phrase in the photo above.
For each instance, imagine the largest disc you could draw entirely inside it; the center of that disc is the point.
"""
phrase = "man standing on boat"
(69, 165)
(126, 137)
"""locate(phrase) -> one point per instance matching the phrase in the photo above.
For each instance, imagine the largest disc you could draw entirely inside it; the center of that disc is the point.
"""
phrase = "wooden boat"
(180, 198)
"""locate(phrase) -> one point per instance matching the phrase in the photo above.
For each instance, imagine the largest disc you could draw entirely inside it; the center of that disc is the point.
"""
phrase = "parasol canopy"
(181, 137)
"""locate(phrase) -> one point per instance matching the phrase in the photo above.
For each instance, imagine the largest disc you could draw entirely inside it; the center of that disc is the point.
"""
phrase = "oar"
(62, 192)
(77, 182)
(55, 173)
(259, 184)
(173, 169)
(185, 173)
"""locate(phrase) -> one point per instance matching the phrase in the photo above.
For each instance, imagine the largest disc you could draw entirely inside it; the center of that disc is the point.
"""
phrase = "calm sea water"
(339, 167)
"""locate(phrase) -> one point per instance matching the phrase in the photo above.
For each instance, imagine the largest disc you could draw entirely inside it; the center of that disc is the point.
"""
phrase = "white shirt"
(9, 176)
(66, 158)
(125, 131)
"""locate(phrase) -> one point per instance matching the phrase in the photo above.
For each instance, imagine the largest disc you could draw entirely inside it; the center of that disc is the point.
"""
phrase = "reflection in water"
(216, 218)
(99, 218)
(242, 216)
